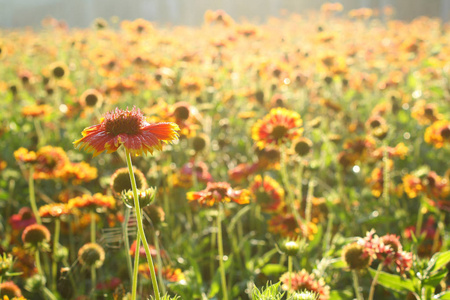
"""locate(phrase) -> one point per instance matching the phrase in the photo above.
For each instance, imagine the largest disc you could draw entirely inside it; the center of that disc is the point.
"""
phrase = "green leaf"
(340, 264)
(438, 261)
(273, 269)
(435, 279)
(341, 295)
(393, 282)
(443, 296)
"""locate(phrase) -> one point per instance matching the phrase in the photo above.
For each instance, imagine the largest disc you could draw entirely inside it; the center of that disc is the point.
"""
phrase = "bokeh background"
(81, 13)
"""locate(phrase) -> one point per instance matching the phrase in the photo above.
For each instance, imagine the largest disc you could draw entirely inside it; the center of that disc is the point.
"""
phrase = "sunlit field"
(303, 158)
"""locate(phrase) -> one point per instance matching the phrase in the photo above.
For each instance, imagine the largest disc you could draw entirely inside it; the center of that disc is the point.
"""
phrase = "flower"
(54, 210)
(217, 192)
(127, 128)
(356, 256)
(268, 193)
(50, 163)
(287, 226)
(438, 133)
(79, 172)
(10, 290)
(35, 235)
(153, 251)
(91, 98)
(91, 255)
(36, 110)
(120, 180)
(24, 156)
(96, 201)
(302, 280)
(22, 219)
(412, 185)
(184, 177)
(277, 127)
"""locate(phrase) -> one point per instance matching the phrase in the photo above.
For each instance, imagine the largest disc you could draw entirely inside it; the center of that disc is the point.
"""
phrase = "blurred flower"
(267, 193)
(110, 284)
(279, 126)
(168, 273)
(93, 202)
(243, 171)
(54, 210)
(128, 128)
(22, 155)
(121, 182)
(302, 281)
(412, 185)
(79, 172)
(91, 98)
(356, 256)
(218, 17)
(183, 178)
(91, 255)
(217, 192)
(35, 236)
(6, 262)
(287, 226)
(153, 251)
(36, 110)
(425, 113)
(22, 219)
(10, 289)
(438, 134)
(58, 70)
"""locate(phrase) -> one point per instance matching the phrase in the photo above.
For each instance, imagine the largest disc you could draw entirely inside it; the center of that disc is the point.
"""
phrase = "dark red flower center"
(123, 122)
(445, 133)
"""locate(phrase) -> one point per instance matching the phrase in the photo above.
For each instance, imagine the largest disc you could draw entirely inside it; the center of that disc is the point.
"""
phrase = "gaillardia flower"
(216, 192)
(277, 127)
(127, 128)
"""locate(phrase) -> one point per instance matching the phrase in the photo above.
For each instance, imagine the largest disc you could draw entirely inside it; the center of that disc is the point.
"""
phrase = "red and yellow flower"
(267, 193)
(217, 192)
(279, 126)
(127, 128)
(438, 134)
(301, 281)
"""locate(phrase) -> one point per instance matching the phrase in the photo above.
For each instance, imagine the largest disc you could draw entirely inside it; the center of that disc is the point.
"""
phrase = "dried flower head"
(91, 255)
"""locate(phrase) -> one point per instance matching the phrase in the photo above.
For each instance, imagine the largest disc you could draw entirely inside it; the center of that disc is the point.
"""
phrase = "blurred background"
(81, 13)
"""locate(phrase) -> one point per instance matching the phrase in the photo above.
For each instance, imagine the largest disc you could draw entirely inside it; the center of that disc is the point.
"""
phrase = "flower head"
(216, 192)
(277, 127)
(91, 255)
(10, 290)
(127, 128)
(304, 281)
(35, 235)
(356, 256)
(268, 193)
(54, 210)
(96, 201)
(120, 180)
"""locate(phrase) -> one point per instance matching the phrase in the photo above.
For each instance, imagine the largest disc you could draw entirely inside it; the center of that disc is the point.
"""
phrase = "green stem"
(290, 274)
(136, 267)
(127, 241)
(220, 245)
(213, 246)
(55, 249)
(49, 294)
(386, 175)
(300, 180)
(92, 227)
(287, 187)
(375, 281)
(141, 227)
(160, 264)
(94, 281)
(309, 196)
(419, 219)
(38, 263)
(356, 285)
(33, 196)
(440, 229)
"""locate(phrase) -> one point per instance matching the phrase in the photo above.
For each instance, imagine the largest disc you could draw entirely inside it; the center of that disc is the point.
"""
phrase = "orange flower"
(36, 110)
(413, 185)
(277, 127)
(53, 210)
(128, 128)
(216, 192)
(268, 193)
(302, 281)
(438, 133)
(51, 163)
(95, 201)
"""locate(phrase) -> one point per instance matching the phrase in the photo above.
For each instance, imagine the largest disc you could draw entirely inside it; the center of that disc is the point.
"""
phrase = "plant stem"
(126, 241)
(440, 229)
(290, 274)
(33, 196)
(375, 281)
(141, 227)
(386, 175)
(136, 267)
(356, 285)
(38, 263)
(308, 207)
(220, 245)
(419, 219)
(160, 264)
(55, 249)
(288, 188)
(92, 227)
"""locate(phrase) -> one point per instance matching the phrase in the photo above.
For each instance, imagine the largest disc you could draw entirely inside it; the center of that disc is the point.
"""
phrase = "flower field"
(303, 158)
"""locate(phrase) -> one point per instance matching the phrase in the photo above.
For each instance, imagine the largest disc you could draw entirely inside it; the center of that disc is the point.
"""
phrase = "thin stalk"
(356, 285)
(160, 264)
(220, 245)
(290, 274)
(49, 294)
(386, 175)
(440, 229)
(126, 241)
(213, 246)
(93, 227)
(38, 263)
(141, 227)
(308, 206)
(300, 180)
(419, 219)
(287, 187)
(375, 281)
(55, 249)
(136, 268)
(33, 196)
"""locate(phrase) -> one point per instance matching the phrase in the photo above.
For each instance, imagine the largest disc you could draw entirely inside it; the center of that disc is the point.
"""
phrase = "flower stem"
(440, 229)
(356, 285)
(375, 281)
(288, 188)
(290, 274)
(160, 263)
(127, 242)
(308, 206)
(92, 227)
(38, 263)
(386, 175)
(141, 227)
(419, 219)
(33, 196)
(136, 267)
(55, 249)
(220, 245)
